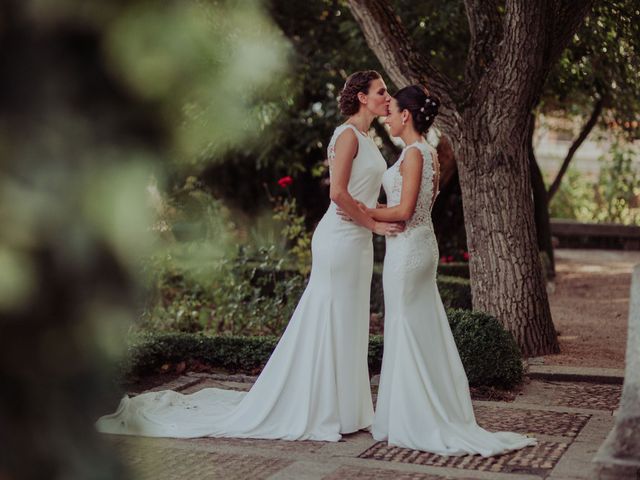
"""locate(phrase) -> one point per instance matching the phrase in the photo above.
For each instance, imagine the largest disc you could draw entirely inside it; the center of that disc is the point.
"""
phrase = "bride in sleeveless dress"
(315, 385)
(423, 397)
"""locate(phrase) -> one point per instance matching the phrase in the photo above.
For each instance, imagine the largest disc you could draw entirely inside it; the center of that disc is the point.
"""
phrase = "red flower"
(465, 255)
(443, 259)
(285, 181)
(450, 258)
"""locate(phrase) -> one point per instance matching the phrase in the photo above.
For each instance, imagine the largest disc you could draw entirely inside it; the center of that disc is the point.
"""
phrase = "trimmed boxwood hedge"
(455, 292)
(489, 354)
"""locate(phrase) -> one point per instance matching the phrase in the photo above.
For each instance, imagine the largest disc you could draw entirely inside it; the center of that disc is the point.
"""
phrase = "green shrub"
(147, 352)
(255, 296)
(455, 292)
(611, 198)
(489, 353)
(376, 346)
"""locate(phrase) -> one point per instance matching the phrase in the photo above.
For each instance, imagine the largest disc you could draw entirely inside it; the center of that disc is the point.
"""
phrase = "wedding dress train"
(315, 385)
(423, 398)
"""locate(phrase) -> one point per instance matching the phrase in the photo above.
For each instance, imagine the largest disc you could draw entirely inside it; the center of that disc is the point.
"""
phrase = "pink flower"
(443, 259)
(285, 181)
(450, 258)
(465, 255)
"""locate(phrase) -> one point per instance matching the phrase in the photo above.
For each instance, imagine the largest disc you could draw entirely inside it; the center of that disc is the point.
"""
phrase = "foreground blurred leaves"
(96, 100)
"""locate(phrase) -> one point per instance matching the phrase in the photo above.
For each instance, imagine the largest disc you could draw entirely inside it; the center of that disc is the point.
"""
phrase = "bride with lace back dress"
(315, 385)
(423, 397)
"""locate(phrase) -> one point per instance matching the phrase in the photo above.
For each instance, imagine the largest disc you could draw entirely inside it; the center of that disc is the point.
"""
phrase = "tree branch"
(584, 133)
(485, 27)
(389, 40)
(520, 65)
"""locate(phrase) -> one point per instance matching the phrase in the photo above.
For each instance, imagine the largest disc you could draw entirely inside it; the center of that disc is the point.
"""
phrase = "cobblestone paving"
(306, 446)
(530, 421)
(230, 458)
(148, 463)
(587, 395)
(537, 459)
(359, 473)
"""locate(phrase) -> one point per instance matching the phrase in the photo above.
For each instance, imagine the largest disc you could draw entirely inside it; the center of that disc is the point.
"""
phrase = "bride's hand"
(388, 229)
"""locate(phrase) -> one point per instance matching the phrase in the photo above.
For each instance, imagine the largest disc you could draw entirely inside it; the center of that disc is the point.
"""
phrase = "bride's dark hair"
(422, 106)
(356, 82)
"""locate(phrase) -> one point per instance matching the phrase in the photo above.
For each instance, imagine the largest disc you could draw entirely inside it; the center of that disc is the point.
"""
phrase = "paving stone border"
(538, 459)
(587, 395)
(531, 421)
(153, 463)
(358, 473)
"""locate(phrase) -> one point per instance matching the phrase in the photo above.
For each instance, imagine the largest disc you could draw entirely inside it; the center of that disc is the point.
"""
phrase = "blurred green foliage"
(612, 197)
(97, 101)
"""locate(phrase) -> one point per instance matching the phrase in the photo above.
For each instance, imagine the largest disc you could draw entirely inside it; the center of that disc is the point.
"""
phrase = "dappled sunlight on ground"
(590, 306)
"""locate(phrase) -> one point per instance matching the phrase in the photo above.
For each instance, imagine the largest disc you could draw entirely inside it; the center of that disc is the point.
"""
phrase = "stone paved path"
(570, 419)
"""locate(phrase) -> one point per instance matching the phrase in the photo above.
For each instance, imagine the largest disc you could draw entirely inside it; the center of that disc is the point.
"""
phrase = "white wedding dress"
(315, 385)
(423, 398)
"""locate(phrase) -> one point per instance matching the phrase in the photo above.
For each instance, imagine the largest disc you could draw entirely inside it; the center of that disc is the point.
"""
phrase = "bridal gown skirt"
(315, 386)
(423, 398)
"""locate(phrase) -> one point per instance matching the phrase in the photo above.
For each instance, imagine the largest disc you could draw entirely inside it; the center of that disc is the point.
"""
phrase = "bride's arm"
(411, 171)
(346, 149)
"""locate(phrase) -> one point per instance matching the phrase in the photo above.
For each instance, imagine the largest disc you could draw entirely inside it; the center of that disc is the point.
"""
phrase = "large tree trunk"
(505, 267)
(487, 117)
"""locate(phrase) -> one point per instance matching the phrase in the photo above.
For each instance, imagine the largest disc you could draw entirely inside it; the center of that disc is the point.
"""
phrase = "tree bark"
(485, 28)
(489, 121)
(584, 133)
(506, 272)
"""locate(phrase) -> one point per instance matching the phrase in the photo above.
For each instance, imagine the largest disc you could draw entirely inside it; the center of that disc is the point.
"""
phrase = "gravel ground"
(590, 306)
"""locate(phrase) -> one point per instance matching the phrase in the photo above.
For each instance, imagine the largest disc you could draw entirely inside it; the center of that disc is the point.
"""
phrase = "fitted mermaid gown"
(423, 398)
(315, 385)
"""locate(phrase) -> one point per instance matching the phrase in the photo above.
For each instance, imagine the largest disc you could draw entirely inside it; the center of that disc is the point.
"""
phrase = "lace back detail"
(427, 194)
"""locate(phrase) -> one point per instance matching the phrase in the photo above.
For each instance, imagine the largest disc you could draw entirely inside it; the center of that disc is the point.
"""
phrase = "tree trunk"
(505, 266)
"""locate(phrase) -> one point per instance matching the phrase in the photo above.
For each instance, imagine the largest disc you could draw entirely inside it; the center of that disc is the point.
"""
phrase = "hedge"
(489, 354)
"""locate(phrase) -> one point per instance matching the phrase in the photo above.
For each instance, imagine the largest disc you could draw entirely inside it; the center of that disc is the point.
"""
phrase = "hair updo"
(356, 82)
(423, 107)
